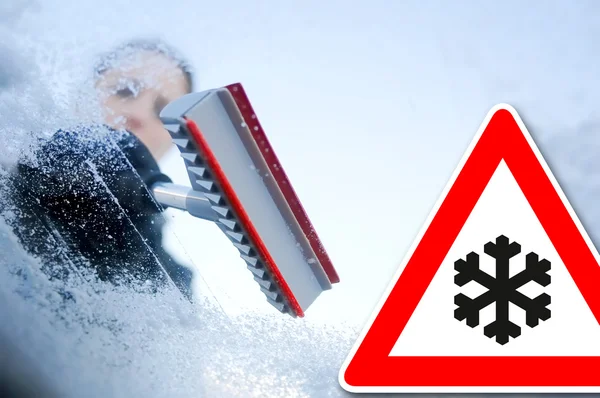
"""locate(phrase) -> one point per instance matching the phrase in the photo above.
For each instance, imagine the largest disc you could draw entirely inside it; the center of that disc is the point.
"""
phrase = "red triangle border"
(502, 136)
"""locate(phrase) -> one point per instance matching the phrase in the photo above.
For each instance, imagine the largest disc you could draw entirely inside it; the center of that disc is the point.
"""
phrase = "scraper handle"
(184, 198)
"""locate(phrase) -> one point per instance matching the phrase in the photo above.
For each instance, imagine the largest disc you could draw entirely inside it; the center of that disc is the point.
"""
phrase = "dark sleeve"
(93, 186)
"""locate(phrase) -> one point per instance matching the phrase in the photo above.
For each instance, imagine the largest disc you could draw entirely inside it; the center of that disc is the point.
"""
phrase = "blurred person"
(135, 82)
(82, 199)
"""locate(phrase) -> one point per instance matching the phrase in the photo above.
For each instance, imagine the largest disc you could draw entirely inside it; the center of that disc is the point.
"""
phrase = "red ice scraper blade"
(229, 160)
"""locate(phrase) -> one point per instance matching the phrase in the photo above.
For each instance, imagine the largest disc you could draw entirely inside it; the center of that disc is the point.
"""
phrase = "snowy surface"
(111, 343)
(369, 107)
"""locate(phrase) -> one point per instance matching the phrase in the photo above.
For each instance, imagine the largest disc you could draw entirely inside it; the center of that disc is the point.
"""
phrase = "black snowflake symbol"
(502, 290)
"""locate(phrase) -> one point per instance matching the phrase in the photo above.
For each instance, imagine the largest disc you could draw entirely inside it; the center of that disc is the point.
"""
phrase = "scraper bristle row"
(203, 180)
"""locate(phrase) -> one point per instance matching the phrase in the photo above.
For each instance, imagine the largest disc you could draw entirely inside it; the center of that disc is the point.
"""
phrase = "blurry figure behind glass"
(90, 184)
(135, 82)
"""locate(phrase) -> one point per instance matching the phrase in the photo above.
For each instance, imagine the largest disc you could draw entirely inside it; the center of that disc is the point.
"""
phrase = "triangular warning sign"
(500, 291)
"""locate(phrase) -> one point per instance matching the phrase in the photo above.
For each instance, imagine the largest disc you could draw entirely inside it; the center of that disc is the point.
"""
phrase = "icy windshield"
(87, 311)
(369, 108)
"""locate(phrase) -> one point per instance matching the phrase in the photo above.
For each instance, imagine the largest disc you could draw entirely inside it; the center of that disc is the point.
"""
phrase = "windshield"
(354, 99)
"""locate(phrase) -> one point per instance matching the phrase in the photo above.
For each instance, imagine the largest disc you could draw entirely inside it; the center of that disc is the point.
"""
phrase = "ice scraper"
(238, 182)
